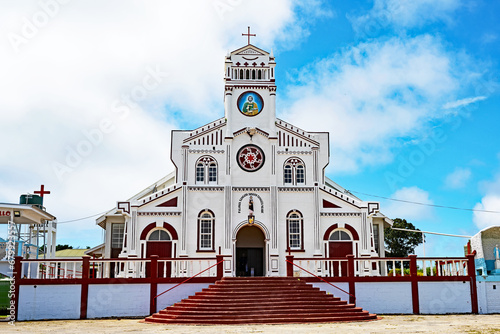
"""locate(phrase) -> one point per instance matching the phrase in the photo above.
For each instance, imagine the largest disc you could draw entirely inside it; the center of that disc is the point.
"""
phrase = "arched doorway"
(159, 242)
(250, 246)
(340, 245)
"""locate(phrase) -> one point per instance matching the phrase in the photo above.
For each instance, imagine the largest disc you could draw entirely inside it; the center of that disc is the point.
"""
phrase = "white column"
(228, 99)
(272, 111)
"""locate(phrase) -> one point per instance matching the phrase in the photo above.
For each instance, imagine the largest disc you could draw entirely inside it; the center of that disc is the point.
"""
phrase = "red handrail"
(322, 279)
(188, 279)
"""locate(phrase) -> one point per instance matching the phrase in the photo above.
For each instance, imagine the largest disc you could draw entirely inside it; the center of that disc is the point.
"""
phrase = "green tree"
(61, 247)
(401, 243)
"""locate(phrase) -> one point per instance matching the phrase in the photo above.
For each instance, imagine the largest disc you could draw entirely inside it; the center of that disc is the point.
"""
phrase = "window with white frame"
(295, 230)
(340, 236)
(206, 170)
(206, 231)
(117, 235)
(159, 235)
(294, 172)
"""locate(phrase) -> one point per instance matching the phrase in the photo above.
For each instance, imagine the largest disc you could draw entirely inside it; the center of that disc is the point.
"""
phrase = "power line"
(425, 204)
(78, 219)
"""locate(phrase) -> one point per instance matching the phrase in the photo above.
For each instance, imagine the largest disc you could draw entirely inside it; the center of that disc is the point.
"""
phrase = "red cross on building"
(42, 191)
(248, 34)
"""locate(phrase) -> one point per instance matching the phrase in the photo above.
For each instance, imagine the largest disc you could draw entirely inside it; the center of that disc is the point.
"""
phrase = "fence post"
(414, 284)
(84, 287)
(220, 266)
(471, 271)
(351, 278)
(289, 266)
(16, 276)
(154, 283)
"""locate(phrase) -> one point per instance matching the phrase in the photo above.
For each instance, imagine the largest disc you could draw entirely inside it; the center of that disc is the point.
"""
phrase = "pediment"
(250, 50)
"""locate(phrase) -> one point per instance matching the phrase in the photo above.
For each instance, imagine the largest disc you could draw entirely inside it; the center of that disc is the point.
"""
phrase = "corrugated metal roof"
(71, 253)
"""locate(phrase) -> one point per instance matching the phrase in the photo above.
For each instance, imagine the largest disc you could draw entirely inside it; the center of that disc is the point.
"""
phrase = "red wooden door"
(162, 249)
(340, 249)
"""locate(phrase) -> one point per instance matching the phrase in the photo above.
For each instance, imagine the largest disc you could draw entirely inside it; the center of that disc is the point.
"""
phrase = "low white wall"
(444, 297)
(38, 302)
(5, 268)
(176, 295)
(118, 300)
(385, 297)
(488, 295)
(336, 292)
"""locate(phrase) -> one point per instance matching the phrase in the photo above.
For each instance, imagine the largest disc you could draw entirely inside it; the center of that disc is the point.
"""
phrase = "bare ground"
(386, 324)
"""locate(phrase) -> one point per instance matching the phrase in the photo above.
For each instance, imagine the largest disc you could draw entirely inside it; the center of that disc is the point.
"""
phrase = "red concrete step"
(235, 308)
(289, 311)
(260, 300)
(266, 320)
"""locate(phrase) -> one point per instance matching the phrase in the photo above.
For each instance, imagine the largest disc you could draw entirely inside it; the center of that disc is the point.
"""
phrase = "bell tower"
(250, 90)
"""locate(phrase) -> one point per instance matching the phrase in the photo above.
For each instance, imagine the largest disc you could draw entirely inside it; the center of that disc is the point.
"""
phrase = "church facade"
(248, 186)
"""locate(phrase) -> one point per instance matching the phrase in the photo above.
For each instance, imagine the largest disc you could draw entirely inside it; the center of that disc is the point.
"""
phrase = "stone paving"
(386, 324)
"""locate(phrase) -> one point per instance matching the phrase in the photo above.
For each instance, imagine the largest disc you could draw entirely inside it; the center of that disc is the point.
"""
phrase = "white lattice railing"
(118, 268)
(380, 267)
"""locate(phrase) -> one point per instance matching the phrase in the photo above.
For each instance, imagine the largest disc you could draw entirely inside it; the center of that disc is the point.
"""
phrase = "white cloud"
(458, 178)
(409, 211)
(463, 102)
(485, 219)
(370, 95)
(78, 69)
(404, 14)
(489, 202)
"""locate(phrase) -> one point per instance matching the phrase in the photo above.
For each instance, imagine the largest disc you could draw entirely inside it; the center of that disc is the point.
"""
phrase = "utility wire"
(352, 191)
(78, 219)
(425, 204)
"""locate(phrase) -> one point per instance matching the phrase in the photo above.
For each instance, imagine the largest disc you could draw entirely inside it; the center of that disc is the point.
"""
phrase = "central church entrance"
(250, 247)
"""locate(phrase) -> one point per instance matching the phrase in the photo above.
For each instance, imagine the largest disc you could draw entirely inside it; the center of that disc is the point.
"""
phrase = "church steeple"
(250, 89)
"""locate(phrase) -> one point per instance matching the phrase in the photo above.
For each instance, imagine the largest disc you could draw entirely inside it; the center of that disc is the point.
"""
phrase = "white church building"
(248, 186)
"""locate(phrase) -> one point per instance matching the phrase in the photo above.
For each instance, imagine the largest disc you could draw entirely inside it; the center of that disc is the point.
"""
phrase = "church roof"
(71, 253)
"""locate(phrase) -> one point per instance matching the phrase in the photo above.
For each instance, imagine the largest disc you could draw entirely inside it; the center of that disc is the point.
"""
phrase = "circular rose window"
(250, 158)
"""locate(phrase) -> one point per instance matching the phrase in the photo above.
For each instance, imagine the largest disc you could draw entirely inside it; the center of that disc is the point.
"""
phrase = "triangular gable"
(170, 203)
(250, 50)
(327, 204)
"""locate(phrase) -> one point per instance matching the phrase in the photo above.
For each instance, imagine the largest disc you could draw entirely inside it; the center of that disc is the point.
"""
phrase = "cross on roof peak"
(42, 191)
(249, 35)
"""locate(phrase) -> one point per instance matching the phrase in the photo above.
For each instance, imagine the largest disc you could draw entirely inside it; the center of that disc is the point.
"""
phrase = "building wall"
(444, 297)
(118, 300)
(37, 302)
(488, 294)
(385, 297)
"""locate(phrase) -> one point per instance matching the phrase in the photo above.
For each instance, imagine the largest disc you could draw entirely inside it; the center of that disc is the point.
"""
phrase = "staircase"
(260, 300)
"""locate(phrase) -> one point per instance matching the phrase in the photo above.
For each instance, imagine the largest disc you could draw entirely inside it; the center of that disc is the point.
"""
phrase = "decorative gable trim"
(327, 204)
(170, 203)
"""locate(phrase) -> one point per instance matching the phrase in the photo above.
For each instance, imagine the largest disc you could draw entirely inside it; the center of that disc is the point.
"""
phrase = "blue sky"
(407, 89)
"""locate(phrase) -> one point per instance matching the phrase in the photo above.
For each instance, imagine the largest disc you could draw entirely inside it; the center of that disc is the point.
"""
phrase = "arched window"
(340, 236)
(259, 75)
(241, 75)
(294, 172)
(206, 170)
(206, 222)
(247, 74)
(253, 74)
(295, 229)
(159, 235)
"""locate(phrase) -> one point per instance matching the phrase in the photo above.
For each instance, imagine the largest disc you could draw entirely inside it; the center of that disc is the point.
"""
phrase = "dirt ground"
(386, 324)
